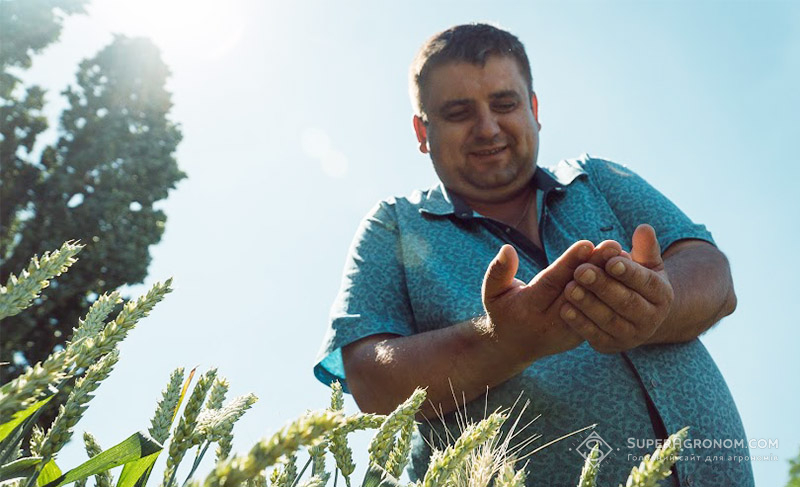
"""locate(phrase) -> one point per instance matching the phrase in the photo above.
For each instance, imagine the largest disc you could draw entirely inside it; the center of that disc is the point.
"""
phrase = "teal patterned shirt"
(417, 263)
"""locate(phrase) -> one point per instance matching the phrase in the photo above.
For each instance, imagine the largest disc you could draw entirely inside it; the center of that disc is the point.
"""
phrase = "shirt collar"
(438, 201)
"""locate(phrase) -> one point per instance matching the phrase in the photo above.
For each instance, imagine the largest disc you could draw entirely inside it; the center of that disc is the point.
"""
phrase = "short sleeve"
(634, 202)
(372, 298)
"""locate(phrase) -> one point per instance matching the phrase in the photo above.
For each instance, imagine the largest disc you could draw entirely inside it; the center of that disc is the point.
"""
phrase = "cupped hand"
(617, 300)
(525, 318)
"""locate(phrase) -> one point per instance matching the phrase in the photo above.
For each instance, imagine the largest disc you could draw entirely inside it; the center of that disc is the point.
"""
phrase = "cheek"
(531, 138)
(446, 142)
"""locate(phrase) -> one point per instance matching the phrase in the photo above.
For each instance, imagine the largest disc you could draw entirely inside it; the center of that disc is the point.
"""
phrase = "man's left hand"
(617, 303)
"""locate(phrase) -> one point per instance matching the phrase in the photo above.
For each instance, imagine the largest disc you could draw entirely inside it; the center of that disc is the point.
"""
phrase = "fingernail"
(609, 253)
(502, 258)
(577, 294)
(570, 314)
(587, 277)
(618, 269)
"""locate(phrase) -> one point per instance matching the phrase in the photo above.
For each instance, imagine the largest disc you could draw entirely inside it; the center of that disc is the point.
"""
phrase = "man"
(603, 334)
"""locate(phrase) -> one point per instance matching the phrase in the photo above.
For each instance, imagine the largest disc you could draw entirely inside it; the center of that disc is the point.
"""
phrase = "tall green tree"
(99, 182)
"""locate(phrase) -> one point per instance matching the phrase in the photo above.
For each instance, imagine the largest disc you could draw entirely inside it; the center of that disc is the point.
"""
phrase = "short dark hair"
(472, 43)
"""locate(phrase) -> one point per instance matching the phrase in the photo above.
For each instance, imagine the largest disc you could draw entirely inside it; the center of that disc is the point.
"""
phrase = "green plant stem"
(172, 477)
(197, 460)
(35, 475)
(302, 471)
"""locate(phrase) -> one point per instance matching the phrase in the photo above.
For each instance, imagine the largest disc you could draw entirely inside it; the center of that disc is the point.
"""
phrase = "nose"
(486, 126)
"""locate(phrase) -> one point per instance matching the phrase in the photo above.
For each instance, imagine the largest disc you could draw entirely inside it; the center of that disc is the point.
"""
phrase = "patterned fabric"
(417, 264)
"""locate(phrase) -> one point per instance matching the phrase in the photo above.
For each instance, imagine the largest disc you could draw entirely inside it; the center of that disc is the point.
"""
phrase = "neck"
(509, 211)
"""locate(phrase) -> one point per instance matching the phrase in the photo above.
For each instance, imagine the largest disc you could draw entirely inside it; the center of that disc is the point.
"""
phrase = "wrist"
(502, 346)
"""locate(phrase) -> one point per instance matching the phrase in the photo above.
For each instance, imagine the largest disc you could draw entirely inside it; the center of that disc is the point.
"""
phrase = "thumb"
(550, 283)
(646, 250)
(500, 273)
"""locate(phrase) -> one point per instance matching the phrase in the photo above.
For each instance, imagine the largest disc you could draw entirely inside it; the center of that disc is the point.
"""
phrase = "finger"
(549, 283)
(646, 250)
(500, 273)
(598, 312)
(646, 282)
(588, 330)
(604, 251)
(624, 300)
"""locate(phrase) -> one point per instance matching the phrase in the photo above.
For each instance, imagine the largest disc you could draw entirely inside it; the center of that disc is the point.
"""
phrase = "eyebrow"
(467, 101)
(505, 94)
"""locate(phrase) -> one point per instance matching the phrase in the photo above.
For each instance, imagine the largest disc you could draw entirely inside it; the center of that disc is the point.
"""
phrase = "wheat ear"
(653, 469)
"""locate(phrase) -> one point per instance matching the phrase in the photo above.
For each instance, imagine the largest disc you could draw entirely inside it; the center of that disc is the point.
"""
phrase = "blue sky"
(296, 120)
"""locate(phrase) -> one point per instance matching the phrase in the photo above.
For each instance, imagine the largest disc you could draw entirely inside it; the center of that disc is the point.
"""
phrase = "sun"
(198, 28)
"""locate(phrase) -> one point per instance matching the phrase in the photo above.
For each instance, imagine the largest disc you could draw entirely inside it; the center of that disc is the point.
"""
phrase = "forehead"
(464, 80)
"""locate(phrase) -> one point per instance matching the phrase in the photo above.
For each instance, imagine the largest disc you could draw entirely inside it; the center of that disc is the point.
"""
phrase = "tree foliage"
(794, 472)
(99, 182)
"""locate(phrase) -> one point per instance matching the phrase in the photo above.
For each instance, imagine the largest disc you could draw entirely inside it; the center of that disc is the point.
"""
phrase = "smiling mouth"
(489, 152)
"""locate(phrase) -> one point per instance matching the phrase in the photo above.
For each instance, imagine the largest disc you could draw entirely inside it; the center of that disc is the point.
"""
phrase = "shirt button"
(508, 229)
(653, 382)
(689, 480)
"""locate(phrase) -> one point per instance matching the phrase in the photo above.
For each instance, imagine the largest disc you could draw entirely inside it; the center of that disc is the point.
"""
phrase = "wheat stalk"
(590, 468)
(303, 431)
(258, 481)
(337, 439)
(103, 479)
(383, 441)
(217, 395)
(116, 331)
(35, 443)
(37, 380)
(315, 481)
(317, 454)
(213, 424)
(653, 469)
(398, 458)
(19, 292)
(445, 463)
(286, 475)
(224, 446)
(166, 408)
(508, 477)
(94, 321)
(72, 411)
(182, 439)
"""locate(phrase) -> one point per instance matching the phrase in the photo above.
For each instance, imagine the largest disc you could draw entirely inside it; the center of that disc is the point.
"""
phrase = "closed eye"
(504, 107)
(457, 115)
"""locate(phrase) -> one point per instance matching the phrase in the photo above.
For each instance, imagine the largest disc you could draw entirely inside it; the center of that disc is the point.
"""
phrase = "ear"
(535, 108)
(422, 134)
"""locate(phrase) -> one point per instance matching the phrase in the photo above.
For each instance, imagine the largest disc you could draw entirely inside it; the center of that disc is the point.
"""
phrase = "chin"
(501, 181)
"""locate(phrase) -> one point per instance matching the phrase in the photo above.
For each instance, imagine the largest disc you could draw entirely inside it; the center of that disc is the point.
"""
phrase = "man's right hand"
(525, 318)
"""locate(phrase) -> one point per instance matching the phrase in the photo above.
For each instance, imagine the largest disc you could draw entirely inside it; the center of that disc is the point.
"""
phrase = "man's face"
(482, 131)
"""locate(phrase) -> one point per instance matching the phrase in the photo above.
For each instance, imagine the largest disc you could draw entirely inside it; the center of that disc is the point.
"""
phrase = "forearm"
(703, 289)
(462, 360)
